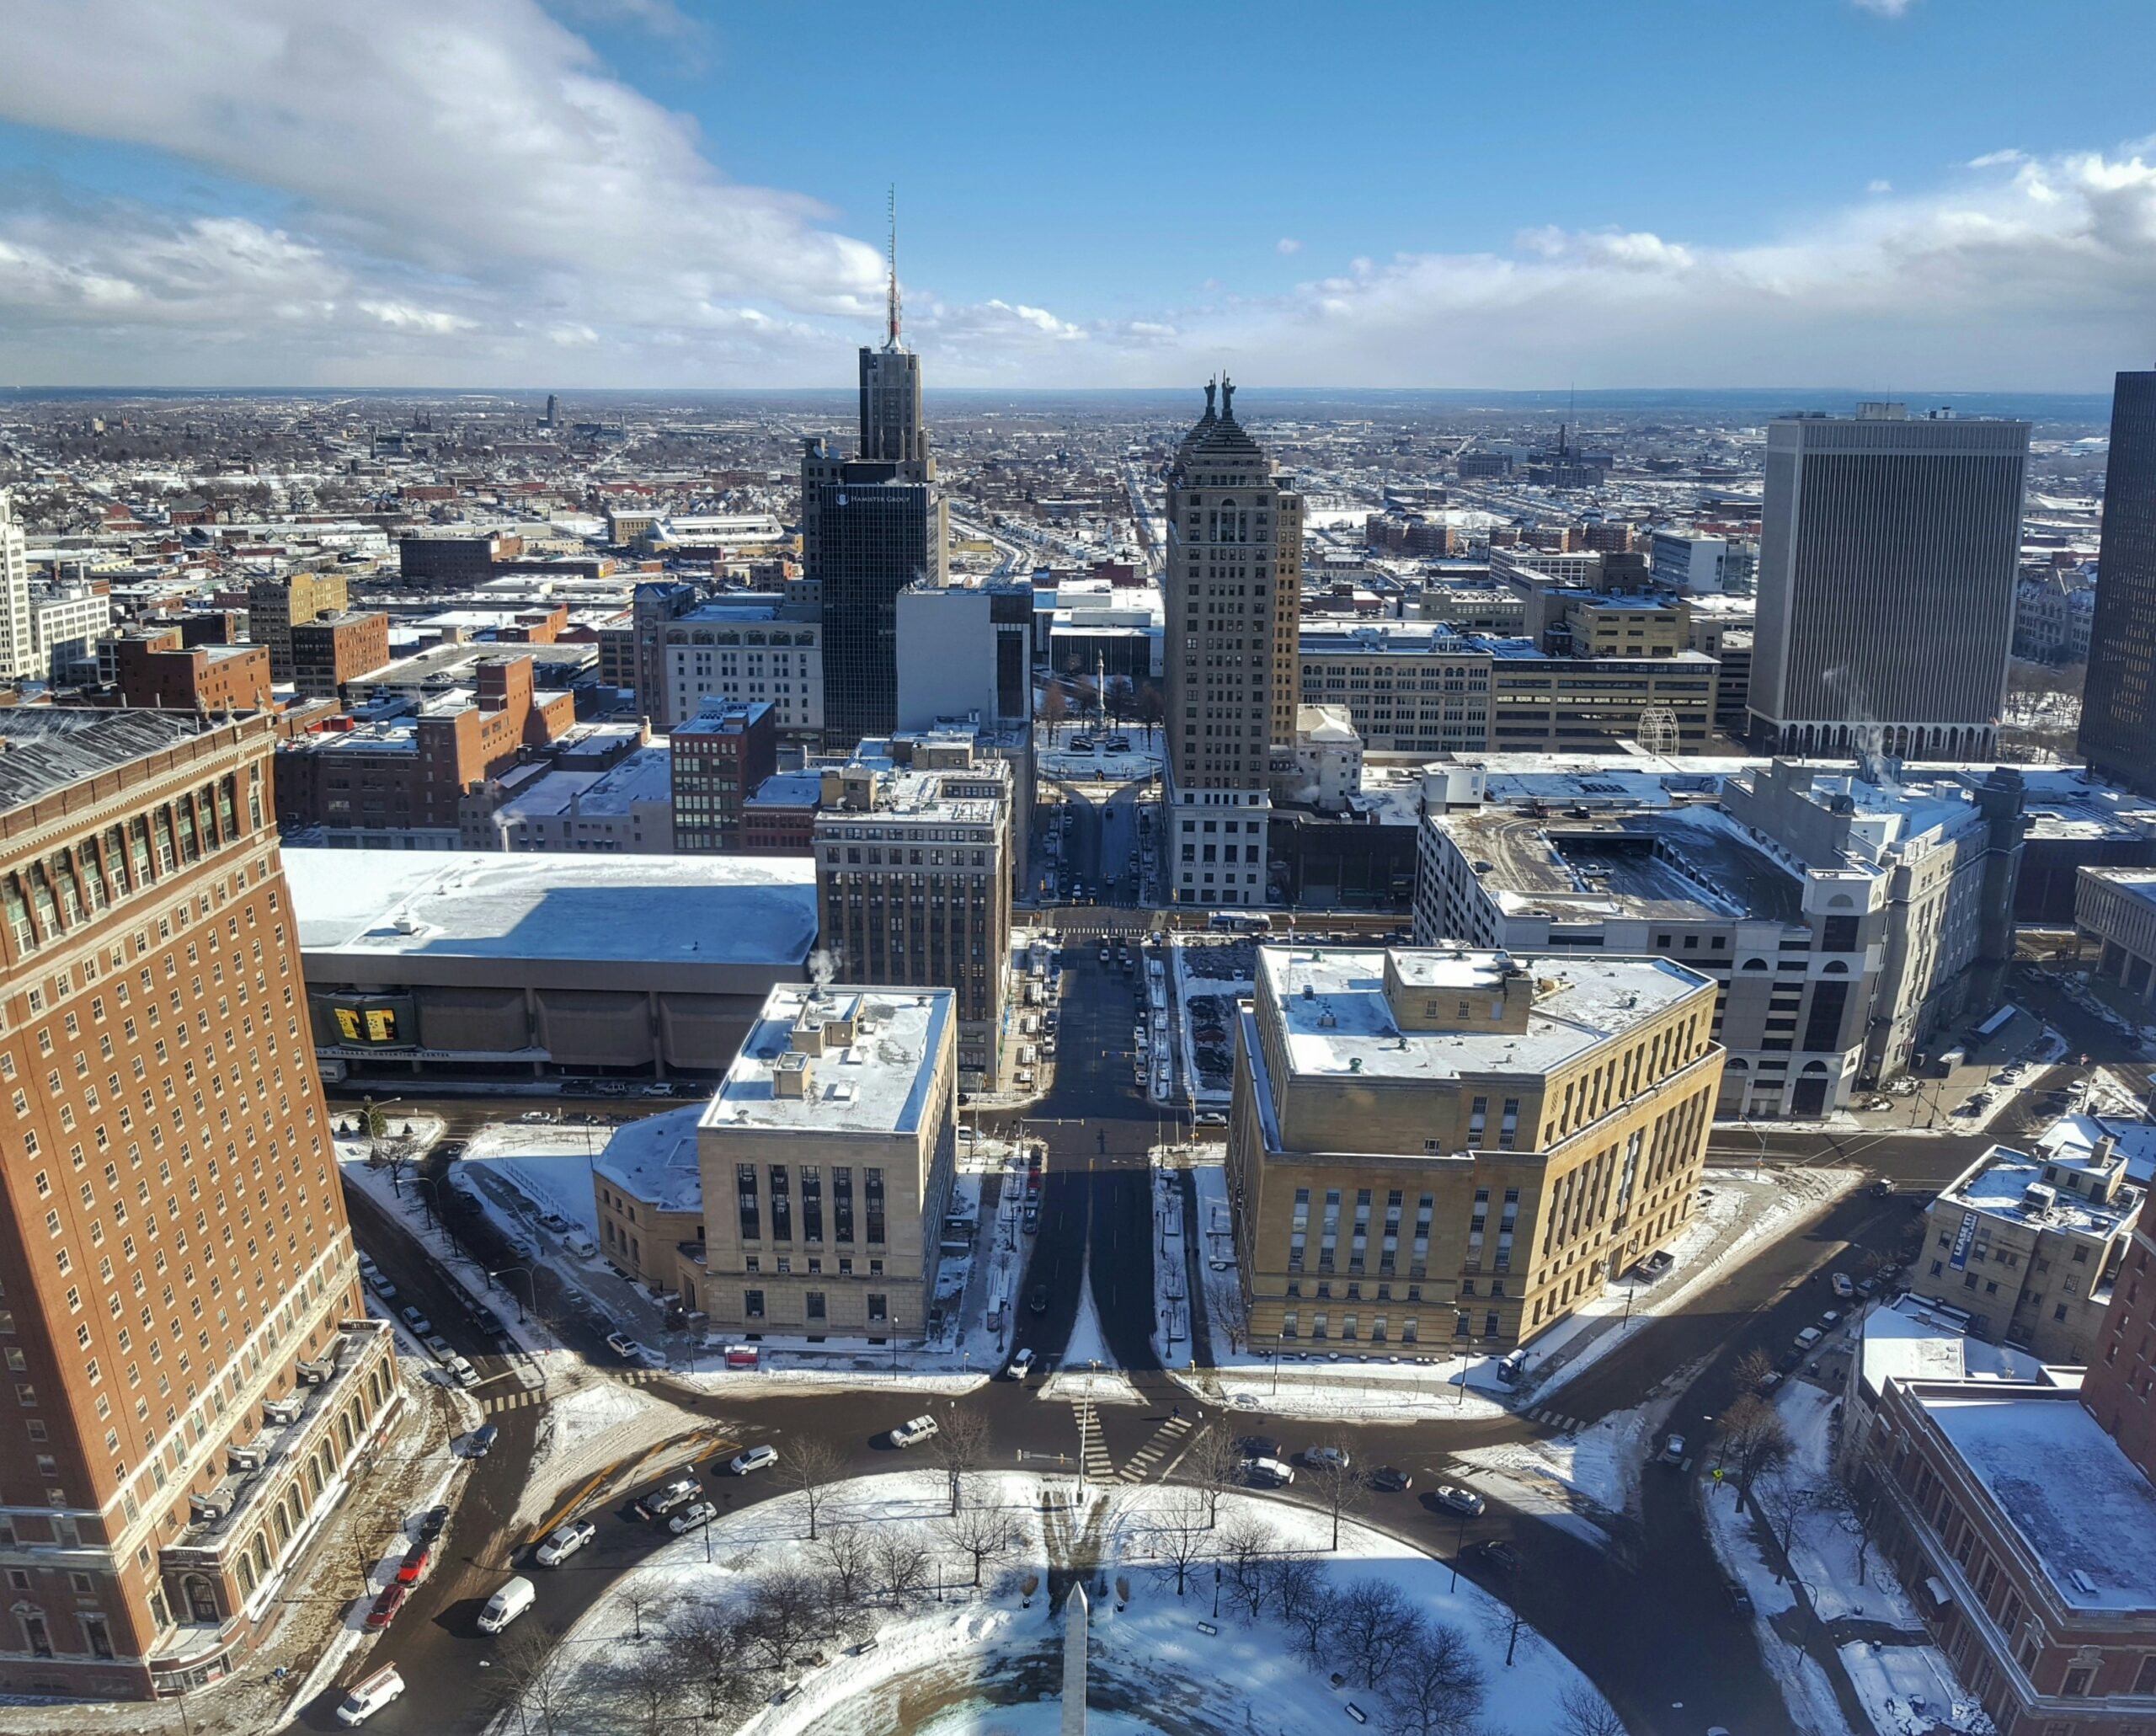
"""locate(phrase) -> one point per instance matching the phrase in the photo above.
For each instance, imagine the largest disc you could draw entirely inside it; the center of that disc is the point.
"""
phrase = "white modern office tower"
(1887, 562)
(19, 658)
(1235, 558)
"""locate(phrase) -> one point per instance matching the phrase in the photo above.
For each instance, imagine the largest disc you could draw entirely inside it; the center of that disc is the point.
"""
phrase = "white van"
(370, 1694)
(506, 1605)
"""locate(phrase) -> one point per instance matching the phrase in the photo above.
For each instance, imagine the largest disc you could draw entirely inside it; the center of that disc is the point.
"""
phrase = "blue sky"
(629, 192)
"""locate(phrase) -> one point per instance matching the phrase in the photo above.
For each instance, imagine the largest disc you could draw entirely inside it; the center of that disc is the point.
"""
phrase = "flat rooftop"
(654, 1160)
(1344, 1024)
(1996, 1185)
(1911, 1338)
(877, 1084)
(1679, 864)
(2137, 883)
(2061, 1482)
(676, 910)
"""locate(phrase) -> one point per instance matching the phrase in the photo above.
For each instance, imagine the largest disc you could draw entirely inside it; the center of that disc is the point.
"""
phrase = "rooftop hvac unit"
(2036, 1197)
(212, 1506)
(283, 1410)
(313, 1374)
(246, 1458)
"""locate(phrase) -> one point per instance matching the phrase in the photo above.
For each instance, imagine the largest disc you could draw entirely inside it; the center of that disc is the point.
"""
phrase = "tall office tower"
(891, 428)
(19, 658)
(196, 1379)
(1234, 585)
(948, 818)
(2118, 700)
(1887, 562)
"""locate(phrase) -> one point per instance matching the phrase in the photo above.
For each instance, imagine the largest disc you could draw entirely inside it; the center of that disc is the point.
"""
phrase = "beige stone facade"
(827, 1159)
(1436, 1145)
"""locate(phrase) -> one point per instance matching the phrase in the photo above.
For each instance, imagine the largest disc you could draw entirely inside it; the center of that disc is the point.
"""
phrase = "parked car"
(1392, 1480)
(369, 1694)
(382, 1287)
(462, 1370)
(565, 1542)
(1326, 1458)
(757, 1458)
(432, 1524)
(1457, 1499)
(1259, 1446)
(1738, 1599)
(690, 1518)
(481, 1440)
(387, 1602)
(438, 1347)
(413, 1569)
(1845, 1287)
(1269, 1473)
(624, 1346)
(1673, 1451)
(420, 1325)
(1495, 1552)
(1212, 1118)
(913, 1431)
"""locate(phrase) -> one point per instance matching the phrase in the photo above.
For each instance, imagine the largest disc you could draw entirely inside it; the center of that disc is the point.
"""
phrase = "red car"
(386, 1604)
(413, 1567)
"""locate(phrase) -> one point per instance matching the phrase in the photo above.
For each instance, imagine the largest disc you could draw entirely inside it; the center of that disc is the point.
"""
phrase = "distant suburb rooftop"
(1339, 1018)
(679, 910)
(837, 1059)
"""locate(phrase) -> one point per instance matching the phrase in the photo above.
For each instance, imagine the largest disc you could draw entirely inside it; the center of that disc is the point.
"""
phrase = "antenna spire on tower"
(891, 339)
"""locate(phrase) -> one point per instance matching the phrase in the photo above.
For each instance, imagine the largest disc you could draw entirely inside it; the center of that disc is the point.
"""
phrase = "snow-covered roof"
(2072, 1138)
(1911, 1338)
(717, 909)
(879, 1083)
(2061, 1482)
(1344, 1024)
(654, 1160)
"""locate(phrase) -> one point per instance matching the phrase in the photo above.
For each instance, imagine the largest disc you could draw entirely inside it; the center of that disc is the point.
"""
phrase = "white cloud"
(1879, 186)
(1994, 159)
(1884, 8)
(1286, 244)
(403, 316)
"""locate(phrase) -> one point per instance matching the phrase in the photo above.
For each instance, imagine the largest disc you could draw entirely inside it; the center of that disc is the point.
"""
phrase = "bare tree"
(1339, 1486)
(901, 1564)
(1753, 1368)
(847, 1554)
(1248, 1546)
(961, 1448)
(1054, 708)
(1305, 1600)
(1150, 710)
(1434, 1687)
(783, 1620)
(979, 1533)
(1179, 1539)
(531, 1675)
(810, 1466)
(639, 1597)
(1216, 1464)
(1373, 1622)
(1781, 1501)
(1853, 1514)
(706, 1643)
(1754, 1437)
(1582, 1711)
(650, 1682)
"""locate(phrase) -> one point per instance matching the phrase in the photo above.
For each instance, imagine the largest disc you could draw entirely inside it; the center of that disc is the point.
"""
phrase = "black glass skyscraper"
(876, 533)
(2118, 700)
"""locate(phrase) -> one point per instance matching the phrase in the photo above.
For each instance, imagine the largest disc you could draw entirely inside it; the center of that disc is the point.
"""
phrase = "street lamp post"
(529, 1287)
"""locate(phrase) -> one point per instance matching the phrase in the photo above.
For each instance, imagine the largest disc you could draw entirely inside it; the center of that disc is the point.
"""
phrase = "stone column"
(1075, 1616)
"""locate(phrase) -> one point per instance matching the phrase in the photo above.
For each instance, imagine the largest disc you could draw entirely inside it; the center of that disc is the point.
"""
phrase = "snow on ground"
(1087, 1370)
(1823, 1558)
(549, 1163)
(1594, 1472)
(990, 1660)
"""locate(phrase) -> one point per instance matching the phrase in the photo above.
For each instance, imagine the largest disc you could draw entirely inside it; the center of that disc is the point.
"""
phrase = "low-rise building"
(827, 1157)
(274, 606)
(514, 967)
(1408, 687)
(158, 671)
(2028, 1246)
(648, 1185)
(721, 756)
(1435, 1147)
(335, 648)
(779, 819)
(747, 650)
(626, 808)
(400, 782)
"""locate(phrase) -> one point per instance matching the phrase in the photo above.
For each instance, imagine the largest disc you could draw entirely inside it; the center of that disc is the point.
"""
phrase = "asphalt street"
(1645, 1615)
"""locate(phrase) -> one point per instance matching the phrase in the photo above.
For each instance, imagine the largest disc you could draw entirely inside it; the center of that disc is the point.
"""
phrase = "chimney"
(790, 1074)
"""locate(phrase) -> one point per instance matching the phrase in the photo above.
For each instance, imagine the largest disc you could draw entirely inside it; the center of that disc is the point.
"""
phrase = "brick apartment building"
(720, 755)
(455, 560)
(157, 671)
(196, 1381)
(274, 606)
(335, 648)
(408, 774)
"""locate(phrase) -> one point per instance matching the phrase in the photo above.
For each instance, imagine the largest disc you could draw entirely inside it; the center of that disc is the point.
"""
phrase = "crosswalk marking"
(1141, 1462)
(1554, 1419)
(1098, 1466)
(517, 1401)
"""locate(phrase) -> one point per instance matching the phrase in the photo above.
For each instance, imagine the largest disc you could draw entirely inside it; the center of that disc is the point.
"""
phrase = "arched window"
(1755, 964)
(1835, 967)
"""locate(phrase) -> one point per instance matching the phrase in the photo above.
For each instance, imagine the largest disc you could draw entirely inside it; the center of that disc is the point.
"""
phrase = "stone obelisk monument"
(1076, 1616)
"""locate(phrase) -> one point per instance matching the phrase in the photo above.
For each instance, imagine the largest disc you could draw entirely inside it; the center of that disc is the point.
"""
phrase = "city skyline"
(616, 195)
